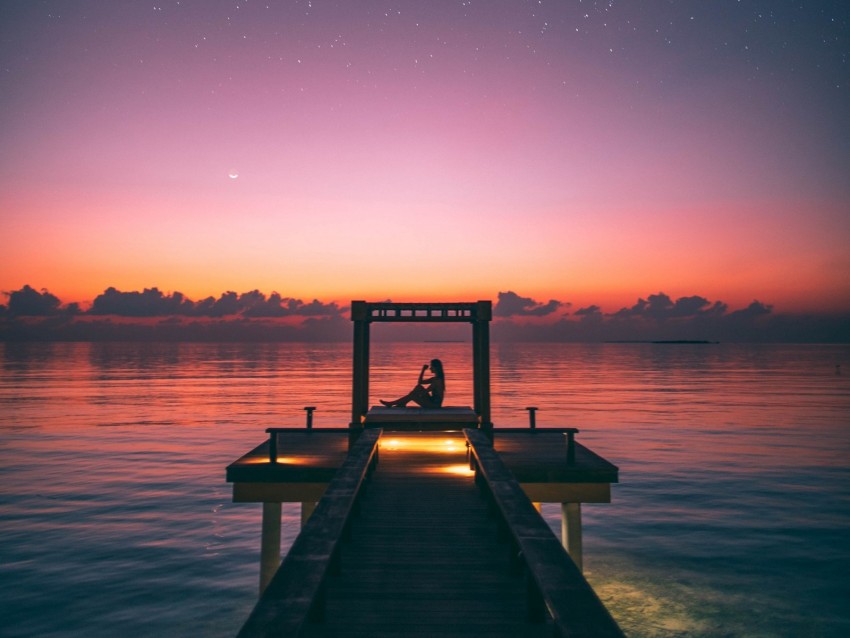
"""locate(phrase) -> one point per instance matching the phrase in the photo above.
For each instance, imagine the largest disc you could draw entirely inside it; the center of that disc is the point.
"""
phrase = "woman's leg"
(422, 397)
(416, 394)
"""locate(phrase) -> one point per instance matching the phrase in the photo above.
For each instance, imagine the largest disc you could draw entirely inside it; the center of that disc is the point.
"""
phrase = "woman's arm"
(422, 375)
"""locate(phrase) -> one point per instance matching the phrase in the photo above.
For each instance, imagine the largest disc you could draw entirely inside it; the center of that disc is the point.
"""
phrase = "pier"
(419, 522)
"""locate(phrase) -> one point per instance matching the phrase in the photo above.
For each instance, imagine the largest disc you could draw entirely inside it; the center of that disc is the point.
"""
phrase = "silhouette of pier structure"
(421, 522)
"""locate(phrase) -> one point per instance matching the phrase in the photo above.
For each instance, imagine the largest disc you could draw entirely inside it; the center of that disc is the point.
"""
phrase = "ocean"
(731, 517)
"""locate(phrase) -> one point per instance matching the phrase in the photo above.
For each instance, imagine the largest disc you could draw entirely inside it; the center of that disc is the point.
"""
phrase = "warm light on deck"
(255, 460)
(281, 460)
(456, 470)
(291, 460)
(434, 445)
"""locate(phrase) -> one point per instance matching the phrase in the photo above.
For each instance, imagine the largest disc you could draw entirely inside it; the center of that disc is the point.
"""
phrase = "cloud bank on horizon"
(31, 314)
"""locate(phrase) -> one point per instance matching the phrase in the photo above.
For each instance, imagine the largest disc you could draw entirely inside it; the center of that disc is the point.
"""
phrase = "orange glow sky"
(587, 152)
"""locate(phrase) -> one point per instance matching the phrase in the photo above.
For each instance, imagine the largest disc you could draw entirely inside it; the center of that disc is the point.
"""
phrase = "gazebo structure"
(363, 314)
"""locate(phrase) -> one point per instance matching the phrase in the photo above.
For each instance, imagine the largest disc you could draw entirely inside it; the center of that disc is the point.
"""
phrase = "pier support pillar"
(571, 531)
(270, 544)
(307, 508)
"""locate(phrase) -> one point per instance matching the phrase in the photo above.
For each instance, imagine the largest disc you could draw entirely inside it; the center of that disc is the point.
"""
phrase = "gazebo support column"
(360, 376)
(481, 364)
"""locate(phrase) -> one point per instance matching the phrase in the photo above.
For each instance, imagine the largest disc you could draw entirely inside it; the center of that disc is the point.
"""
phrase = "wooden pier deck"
(407, 540)
(424, 558)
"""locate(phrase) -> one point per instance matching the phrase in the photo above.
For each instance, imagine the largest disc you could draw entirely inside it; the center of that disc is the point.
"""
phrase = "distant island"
(667, 341)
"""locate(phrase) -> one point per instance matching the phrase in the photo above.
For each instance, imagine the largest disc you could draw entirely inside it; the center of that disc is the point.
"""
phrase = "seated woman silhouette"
(428, 393)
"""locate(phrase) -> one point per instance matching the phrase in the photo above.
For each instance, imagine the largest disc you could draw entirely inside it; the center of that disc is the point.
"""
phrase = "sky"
(592, 154)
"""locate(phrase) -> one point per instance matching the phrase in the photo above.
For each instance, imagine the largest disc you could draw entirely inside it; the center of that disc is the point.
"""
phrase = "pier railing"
(555, 586)
(296, 592)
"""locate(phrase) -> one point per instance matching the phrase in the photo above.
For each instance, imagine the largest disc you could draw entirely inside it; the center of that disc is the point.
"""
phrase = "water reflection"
(733, 506)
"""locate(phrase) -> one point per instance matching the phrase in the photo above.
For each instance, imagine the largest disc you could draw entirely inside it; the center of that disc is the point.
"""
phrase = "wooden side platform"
(539, 460)
(308, 459)
(415, 419)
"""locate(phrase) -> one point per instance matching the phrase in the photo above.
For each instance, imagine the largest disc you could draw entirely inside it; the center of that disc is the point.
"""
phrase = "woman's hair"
(437, 367)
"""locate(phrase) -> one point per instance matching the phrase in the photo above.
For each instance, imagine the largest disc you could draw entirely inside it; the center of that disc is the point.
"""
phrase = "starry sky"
(584, 151)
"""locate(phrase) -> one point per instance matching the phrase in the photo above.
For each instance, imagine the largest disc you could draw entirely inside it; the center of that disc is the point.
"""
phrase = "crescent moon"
(233, 175)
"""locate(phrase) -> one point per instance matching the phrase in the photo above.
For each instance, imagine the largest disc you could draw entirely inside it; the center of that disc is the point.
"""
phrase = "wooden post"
(273, 447)
(532, 420)
(481, 338)
(571, 531)
(270, 544)
(360, 372)
(310, 409)
(364, 386)
(476, 373)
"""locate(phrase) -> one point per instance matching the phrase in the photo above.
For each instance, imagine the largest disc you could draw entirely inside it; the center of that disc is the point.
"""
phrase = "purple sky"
(590, 152)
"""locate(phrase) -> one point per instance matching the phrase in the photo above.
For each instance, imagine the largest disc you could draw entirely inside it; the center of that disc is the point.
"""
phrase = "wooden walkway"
(424, 558)
(417, 544)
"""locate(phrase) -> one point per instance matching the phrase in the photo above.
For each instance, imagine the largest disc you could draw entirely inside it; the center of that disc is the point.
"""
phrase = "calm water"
(731, 518)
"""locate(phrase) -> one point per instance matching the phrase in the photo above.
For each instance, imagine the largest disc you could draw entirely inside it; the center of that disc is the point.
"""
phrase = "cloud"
(28, 302)
(590, 314)
(226, 304)
(255, 316)
(511, 304)
(154, 315)
(688, 318)
(148, 303)
(755, 309)
(658, 317)
(318, 309)
(152, 302)
(255, 304)
(661, 307)
(277, 306)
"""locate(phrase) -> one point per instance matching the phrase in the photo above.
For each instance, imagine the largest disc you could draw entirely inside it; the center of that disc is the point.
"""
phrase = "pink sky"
(588, 152)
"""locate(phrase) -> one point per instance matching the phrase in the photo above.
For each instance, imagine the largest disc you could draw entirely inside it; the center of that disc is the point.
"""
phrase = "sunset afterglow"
(593, 153)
